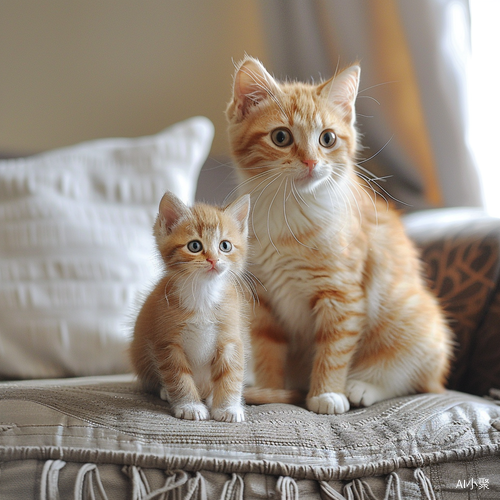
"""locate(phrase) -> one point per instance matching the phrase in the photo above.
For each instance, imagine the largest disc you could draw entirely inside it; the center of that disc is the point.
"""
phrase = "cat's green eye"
(282, 137)
(225, 246)
(328, 138)
(195, 246)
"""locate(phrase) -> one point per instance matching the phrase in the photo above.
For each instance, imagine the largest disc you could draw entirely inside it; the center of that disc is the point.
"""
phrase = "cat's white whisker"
(358, 164)
(369, 97)
(276, 177)
(178, 273)
(376, 85)
(266, 173)
(354, 198)
(296, 191)
(371, 180)
(369, 195)
(269, 216)
(236, 282)
(286, 219)
(338, 191)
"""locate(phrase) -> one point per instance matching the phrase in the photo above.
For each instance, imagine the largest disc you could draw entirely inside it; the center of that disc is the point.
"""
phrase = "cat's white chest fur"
(201, 295)
(199, 339)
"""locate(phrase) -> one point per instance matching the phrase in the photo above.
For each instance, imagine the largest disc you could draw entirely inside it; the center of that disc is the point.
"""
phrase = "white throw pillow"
(76, 247)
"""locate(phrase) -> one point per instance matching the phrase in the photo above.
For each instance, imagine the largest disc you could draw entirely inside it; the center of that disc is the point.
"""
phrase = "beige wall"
(82, 69)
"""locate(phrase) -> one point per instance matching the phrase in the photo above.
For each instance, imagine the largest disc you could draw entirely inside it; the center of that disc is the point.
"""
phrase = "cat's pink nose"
(212, 262)
(310, 164)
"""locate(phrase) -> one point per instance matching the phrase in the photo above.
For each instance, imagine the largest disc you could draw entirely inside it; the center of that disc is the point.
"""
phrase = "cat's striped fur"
(346, 316)
(189, 337)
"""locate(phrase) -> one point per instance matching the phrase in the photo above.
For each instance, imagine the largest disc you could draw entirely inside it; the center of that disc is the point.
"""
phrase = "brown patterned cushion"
(461, 254)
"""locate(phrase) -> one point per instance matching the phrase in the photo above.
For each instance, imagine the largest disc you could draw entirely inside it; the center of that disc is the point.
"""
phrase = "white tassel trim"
(180, 485)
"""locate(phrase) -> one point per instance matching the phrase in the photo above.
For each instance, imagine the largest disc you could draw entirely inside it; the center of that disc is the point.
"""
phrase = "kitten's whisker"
(251, 286)
(358, 164)
(251, 277)
(250, 179)
(236, 280)
(376, 85)
(352, 236)
(341, 202)
(299, 195)
(340, 192)
(286, 220)
(371, 181)
(353, 197)
(220, 164)
(193, 287)
(269, 216)
(276, 177)
(369, 195)
(182, 271)
(369, 97)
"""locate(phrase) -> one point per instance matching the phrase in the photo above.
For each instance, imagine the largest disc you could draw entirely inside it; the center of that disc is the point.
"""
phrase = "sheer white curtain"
(412, 106)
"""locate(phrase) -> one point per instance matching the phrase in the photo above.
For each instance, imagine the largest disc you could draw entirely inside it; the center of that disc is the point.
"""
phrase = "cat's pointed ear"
(240, 210)
(171, 210)
(342, 90)
(252, 85)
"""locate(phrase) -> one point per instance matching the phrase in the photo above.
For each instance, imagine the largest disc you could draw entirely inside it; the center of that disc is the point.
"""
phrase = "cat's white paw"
(330, 403)
(191, 411)
(232, 414)
(363, 393)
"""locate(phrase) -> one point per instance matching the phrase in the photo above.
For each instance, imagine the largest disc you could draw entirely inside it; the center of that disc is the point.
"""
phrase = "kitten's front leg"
(227, 376)
(179, 387)
(339, 321)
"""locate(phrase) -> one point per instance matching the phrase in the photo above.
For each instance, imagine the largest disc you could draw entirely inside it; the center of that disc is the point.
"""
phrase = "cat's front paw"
(232, 414)
(363, 393)
(329, 403)
(191, 411)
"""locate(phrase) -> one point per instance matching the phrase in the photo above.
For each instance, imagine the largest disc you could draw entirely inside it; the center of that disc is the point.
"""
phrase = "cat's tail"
(267, 395)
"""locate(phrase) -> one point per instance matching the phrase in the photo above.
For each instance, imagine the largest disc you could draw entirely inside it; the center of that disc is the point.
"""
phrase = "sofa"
(77, 255)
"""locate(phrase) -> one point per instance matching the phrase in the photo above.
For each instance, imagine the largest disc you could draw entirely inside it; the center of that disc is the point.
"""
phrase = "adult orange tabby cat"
(189, 337)
(345, 315)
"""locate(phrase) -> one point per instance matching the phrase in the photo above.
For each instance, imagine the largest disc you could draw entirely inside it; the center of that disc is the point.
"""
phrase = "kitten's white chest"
(199, 341)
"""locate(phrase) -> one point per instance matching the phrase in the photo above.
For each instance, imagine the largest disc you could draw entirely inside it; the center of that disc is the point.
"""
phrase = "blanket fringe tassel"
(180, 485)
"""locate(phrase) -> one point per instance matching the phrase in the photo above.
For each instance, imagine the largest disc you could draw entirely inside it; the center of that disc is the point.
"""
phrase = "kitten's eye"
(225, 246)
(327, 138)
(282, 137)
(195, 246)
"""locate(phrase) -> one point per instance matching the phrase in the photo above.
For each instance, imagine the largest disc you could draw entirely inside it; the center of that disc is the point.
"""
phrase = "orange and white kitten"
(346, 316)
(189, 337)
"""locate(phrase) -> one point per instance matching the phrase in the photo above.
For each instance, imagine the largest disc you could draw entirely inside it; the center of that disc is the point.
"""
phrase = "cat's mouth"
(213, 270)
(310, 179)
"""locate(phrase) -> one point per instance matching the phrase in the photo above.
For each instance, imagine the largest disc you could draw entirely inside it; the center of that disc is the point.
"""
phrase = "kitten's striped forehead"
(207, 222)
(302, 109)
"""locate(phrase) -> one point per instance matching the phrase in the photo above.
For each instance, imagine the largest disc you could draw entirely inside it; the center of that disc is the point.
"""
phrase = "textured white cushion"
(76, 246)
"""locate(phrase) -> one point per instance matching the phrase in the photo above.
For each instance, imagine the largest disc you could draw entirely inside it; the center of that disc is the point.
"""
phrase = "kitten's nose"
(310, 164)
(212, 262)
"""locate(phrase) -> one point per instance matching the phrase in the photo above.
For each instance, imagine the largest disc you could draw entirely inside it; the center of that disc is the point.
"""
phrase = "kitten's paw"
(234, 413)
(191, 411)
(330, 403)
(363, 393)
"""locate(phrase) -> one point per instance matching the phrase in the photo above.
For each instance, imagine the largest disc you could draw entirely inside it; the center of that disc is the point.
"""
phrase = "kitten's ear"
(341, 91)
(252, 85)
(240, 210)
(171, 210)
